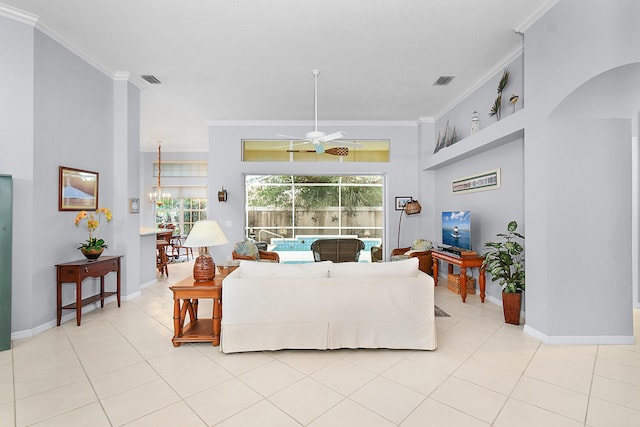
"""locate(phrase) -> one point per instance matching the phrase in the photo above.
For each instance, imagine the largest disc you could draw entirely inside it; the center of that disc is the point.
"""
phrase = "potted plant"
(94, 246)
(504, 260)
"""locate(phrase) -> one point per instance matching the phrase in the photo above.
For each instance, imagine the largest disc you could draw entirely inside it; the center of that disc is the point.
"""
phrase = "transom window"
(254, 150)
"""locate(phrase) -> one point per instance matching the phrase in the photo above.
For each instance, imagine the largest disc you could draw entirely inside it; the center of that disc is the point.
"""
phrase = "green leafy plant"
(497, 104)
(504, 260)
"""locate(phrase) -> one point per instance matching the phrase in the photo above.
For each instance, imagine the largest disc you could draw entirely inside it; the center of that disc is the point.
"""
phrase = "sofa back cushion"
(404, 268)
(268, 270)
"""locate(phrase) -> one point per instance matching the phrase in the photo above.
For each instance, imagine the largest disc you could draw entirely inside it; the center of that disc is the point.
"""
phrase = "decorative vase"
(511, 303)
(92, 253)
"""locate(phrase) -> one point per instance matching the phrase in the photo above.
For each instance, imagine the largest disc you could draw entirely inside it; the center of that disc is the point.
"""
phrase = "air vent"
(151, 79)
(443, 80)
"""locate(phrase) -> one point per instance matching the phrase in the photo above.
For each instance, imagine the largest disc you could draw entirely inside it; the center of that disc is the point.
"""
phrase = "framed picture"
(134, 205)
(401, 201)
(77, 189)
(489, 180)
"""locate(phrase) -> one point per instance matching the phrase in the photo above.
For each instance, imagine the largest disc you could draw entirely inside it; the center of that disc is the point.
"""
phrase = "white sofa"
(325, 305)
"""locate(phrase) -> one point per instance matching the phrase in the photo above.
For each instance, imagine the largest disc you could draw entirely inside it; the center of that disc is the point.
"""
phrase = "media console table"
(76, 272)
(464, 263)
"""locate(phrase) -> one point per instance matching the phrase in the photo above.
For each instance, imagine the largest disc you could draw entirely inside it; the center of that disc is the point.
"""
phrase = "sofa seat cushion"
(404, 268)
(271, 270)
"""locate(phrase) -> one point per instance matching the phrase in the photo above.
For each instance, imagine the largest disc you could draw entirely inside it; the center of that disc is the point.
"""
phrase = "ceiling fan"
(316, 137)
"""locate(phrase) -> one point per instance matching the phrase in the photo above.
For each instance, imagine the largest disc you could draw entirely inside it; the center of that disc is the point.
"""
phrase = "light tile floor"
(120, 368)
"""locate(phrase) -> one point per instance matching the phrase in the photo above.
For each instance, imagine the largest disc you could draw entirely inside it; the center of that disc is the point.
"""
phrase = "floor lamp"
(412, 207)
(204, 234)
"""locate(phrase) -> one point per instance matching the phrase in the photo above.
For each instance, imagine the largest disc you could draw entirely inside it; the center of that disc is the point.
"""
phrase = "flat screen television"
(456, 229)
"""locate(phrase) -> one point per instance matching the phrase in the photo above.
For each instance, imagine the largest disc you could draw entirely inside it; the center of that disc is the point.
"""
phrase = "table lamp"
(204, 234)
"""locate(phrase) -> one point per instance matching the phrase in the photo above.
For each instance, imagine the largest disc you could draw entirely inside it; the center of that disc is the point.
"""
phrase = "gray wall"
(59, 110)
(578, 176)
(491, 210)
(73, 126)
(16, 144)
(226, 169)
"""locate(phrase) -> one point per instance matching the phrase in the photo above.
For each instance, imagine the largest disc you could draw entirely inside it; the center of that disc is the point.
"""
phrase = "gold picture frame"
(77, 189)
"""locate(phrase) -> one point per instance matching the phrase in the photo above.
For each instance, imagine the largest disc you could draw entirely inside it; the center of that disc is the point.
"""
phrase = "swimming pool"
(303, 243)
(298, 250)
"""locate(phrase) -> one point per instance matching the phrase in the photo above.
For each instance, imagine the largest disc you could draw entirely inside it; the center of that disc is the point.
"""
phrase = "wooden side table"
(76, 272)
(186, 294)
(464, 263)
(227, 267)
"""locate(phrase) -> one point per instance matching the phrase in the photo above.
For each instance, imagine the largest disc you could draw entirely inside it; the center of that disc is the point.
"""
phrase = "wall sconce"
(222, 195)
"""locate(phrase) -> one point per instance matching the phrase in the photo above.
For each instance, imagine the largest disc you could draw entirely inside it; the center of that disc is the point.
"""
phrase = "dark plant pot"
(511, 303)
(92, 253)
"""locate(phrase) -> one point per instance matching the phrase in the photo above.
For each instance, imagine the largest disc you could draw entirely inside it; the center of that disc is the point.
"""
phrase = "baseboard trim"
(66, 317)
(580, 339)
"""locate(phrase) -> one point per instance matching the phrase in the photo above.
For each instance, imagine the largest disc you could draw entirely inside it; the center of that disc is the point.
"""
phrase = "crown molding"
(426, 120)
(18, 15)
(526, 22)
(34, 21)
(215, 123)
(498, 67)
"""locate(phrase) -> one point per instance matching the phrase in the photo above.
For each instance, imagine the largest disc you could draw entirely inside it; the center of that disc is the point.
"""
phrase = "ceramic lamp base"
(204, 269)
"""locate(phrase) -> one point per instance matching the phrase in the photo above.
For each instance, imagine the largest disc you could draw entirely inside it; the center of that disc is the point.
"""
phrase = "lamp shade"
(412, 207)
(204, 234)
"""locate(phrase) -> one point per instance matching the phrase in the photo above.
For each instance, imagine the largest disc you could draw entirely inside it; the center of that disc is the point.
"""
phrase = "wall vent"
(151, 79)
(443, 80)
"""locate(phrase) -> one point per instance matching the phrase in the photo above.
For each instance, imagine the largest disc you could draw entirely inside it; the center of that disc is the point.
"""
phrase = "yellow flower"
(93, 224)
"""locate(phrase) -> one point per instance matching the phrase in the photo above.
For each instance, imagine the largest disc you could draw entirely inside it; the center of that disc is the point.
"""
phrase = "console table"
(463, 262)
(185, 301)
(76, 272)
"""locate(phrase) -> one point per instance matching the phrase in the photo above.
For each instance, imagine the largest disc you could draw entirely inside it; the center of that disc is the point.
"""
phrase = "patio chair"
(337, 250)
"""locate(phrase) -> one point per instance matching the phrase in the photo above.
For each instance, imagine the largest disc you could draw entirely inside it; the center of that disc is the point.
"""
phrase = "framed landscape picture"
(77, 189)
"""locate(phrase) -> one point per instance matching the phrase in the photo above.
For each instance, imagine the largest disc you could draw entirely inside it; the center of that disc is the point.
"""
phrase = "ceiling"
(249, 60)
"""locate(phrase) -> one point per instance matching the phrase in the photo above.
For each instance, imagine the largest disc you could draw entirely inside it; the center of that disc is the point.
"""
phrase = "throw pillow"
(247, 248)
(421, 245)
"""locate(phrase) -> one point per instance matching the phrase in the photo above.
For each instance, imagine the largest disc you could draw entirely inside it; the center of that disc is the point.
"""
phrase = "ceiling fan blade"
(335, 151)
(332, 136)
(345, 143)
(293, 137)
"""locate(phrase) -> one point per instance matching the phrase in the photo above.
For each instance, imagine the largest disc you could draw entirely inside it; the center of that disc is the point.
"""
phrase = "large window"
(182, 213)
(287, 206)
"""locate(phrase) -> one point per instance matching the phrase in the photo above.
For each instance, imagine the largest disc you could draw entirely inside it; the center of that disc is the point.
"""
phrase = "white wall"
(226, 169)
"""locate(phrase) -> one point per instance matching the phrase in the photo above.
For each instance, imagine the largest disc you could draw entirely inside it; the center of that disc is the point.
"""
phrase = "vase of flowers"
(94, 246)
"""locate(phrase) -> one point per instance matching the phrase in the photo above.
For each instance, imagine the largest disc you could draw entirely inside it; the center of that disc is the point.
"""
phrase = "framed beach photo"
(77, 189)
(489, 180)
(401, 201)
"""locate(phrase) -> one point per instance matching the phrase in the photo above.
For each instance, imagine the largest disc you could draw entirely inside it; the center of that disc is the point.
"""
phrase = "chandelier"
(159, 197)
